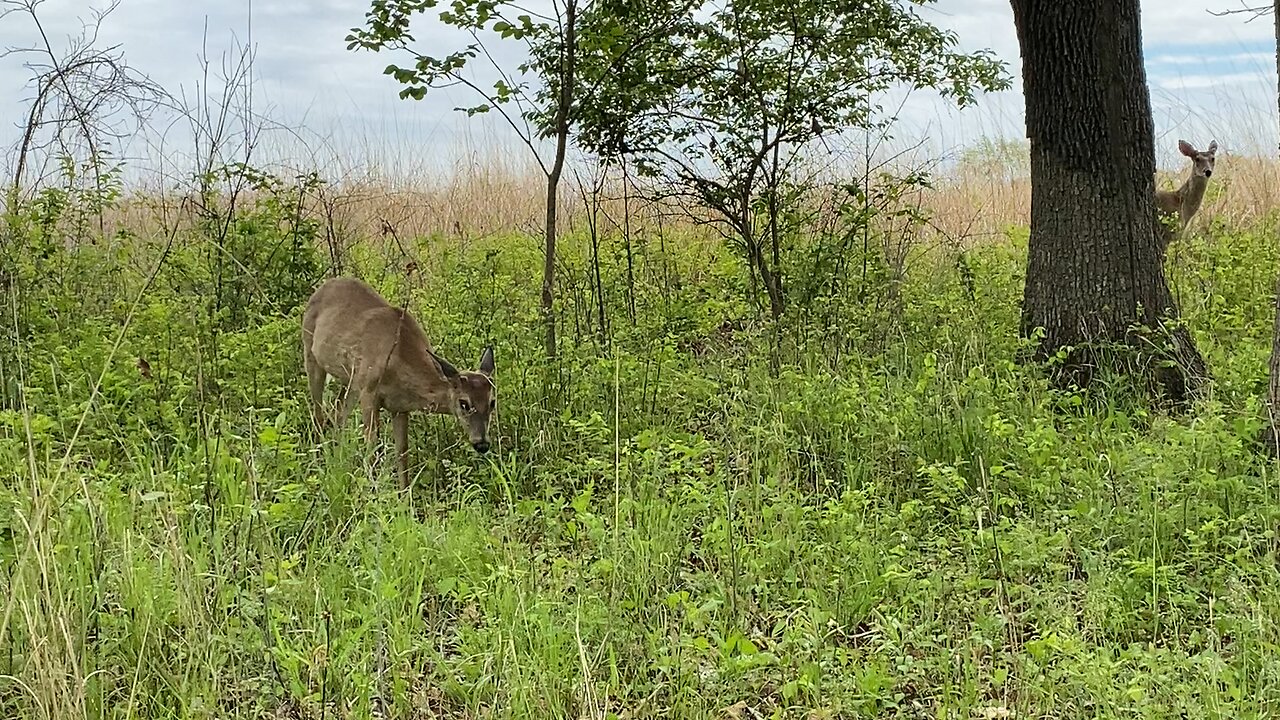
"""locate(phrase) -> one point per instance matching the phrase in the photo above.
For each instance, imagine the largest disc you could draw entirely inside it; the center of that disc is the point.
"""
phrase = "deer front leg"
(369, 406)
(341, 404)
(346, 399)
(400, 428)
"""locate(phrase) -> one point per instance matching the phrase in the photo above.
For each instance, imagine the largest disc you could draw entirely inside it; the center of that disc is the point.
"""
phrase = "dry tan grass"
(1242, 191)
(974, 203)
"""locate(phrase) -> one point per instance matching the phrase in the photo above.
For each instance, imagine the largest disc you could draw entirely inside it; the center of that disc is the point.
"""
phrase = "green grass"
(898, 522)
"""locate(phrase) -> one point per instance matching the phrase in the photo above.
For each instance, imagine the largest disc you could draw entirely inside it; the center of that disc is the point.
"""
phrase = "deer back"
(358, 337)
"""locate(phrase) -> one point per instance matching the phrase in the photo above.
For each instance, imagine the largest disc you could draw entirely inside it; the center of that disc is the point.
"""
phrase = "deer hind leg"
(400, 428)
(315, 380)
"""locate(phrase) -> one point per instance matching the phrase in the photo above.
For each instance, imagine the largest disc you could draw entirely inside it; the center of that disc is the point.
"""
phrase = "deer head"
(1201, 162)
(471, 397)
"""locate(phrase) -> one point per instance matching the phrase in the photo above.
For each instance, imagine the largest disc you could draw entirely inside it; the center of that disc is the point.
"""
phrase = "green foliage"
(387, 27)
(49, 243)
(263, 258)
(721, 104)
(756, 75)
(914, 526)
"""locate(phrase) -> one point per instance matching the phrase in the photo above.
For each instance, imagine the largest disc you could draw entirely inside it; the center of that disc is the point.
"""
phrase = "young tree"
(720, 110)
(535, 99)
(1095, 272)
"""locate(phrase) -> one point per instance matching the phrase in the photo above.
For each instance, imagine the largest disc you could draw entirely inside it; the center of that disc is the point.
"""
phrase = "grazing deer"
(380, 353)
(1185, 201)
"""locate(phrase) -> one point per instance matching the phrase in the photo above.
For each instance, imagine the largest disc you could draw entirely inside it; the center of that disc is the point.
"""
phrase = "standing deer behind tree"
(1185, 201)
(380, 354)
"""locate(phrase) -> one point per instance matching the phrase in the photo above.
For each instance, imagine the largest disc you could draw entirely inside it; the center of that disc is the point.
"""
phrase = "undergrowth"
(689, 515)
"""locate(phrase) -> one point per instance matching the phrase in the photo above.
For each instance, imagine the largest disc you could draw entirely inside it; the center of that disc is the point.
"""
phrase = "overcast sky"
(1210, 76)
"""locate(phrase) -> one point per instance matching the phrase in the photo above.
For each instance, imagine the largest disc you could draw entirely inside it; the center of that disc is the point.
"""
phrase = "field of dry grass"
(969, 203)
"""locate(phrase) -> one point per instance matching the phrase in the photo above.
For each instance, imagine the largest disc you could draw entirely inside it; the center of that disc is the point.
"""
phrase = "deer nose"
(481, 447)
(1207, 173)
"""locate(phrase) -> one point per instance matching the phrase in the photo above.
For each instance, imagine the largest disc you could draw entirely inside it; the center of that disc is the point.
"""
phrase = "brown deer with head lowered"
(379, 354)
(1185, 201)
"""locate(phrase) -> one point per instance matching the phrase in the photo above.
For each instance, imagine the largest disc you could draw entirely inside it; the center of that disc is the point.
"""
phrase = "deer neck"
(1192, 193)
(435, 398)
(427, 387)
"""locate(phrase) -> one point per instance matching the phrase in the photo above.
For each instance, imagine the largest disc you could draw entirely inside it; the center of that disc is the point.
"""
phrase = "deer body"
(380, 355)
(1185, 201)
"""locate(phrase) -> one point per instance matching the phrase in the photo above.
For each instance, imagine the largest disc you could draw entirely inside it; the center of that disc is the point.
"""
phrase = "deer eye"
(466, 406)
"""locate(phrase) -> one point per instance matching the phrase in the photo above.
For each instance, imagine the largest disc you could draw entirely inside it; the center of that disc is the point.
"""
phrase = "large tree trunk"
(1094, 268)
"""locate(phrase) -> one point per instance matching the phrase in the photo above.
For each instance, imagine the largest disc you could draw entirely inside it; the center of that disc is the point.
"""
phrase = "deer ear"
(1213, 147)
(486, 362)
(1185, 148)
(450, 372)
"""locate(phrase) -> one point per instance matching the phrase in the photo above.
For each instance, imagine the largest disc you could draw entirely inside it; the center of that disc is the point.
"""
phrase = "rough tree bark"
(1094, 268)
